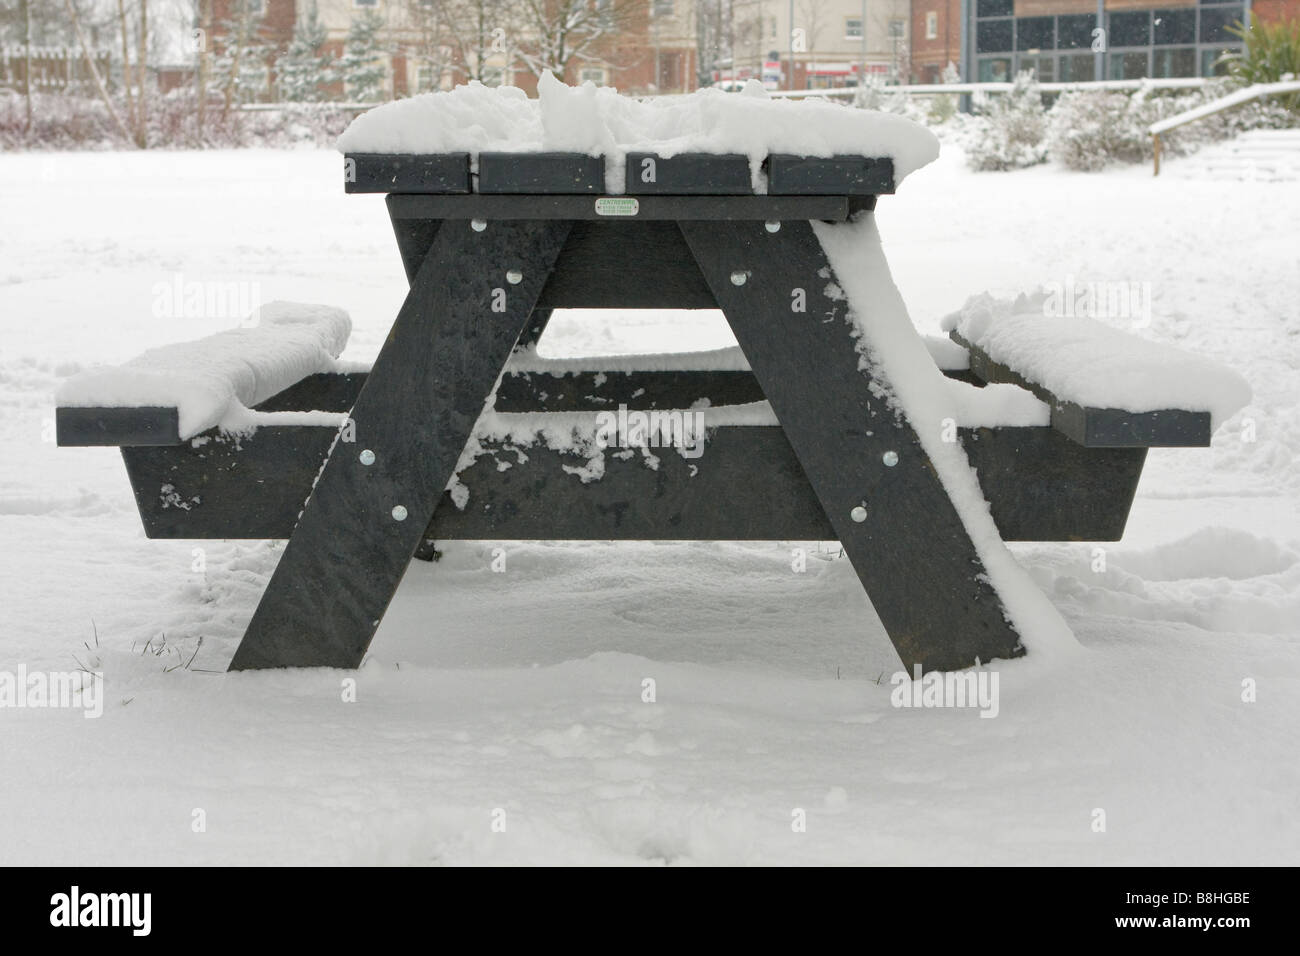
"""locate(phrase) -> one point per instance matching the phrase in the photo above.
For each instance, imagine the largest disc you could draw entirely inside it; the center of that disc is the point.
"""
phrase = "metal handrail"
(927, 89)
(1241, 96)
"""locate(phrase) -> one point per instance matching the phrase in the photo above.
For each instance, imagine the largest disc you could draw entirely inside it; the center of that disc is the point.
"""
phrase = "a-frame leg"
(896, 523)
(468, 304)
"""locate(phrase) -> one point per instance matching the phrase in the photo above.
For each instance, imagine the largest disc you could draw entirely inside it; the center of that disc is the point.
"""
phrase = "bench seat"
(1106, 388)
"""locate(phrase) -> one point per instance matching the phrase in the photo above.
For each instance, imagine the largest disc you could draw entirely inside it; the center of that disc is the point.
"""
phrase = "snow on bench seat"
(1106, 388)
(433, 142)
(172, 393)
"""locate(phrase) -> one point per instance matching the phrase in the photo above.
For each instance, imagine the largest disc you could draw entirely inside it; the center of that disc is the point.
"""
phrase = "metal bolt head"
(738, 277)
(772, 226)
(858, 514)
(367, 457)
(399, 513)
(890, 458)
(514, 277)
(478, 225)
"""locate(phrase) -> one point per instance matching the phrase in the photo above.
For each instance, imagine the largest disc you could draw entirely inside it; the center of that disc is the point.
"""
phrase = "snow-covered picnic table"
(832, 418)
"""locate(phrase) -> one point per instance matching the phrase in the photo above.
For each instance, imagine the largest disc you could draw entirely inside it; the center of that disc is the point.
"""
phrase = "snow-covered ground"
(522, 691)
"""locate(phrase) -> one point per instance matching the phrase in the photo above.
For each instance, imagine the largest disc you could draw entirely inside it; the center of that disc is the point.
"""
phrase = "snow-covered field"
(522, 691)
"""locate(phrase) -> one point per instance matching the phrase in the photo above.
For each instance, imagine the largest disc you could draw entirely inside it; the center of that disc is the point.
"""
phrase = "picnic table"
(491, 244)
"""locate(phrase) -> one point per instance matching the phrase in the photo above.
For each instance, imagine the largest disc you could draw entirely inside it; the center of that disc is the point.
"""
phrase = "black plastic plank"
(1040, 487)
(599, 391)
(789, 175)
(620, 208)
(1100, 427)
(160, 425)
(907, 543)
(605, 265)
(540, 173)
(78, 426)
(627, 265)
(406, 173)
(688, 174)
(465, 310)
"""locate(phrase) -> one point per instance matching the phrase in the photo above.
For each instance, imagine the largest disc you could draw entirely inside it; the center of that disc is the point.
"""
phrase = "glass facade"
(1183, 41)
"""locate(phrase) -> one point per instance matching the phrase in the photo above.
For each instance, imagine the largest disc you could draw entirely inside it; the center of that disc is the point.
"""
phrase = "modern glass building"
(1061, 41)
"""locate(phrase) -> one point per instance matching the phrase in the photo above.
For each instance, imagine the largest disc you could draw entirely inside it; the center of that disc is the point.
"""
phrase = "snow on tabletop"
(599, 122)
(1089, 363)
(890, 344)
(216, 380)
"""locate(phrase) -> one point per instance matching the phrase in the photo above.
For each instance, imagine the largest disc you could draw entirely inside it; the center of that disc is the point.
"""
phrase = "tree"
(305, 65)
(240, 66)
(94, 72)
(562, 30)
(142, 55)
(714, 38)
(473, 31)
(363, 76)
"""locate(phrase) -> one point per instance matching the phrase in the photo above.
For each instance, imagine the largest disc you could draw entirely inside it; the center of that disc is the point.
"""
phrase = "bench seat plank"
(1040, 486)
(1100, 427)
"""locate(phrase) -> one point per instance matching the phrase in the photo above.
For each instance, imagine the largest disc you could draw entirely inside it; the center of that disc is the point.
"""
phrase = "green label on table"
(621, 206)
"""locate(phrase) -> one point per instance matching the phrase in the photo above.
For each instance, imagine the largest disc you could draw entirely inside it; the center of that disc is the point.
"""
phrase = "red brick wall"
(276, 21)
(1272, 11)
(929, 57)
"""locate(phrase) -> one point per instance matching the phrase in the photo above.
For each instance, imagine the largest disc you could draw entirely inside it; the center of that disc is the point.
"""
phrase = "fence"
(53, 68)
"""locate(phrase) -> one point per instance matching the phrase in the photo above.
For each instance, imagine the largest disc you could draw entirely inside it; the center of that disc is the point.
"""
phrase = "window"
(1180, 61)
(1210, 65)
(1174, 26)
(426, 80)
(365, 3)
(1044, 67)
(1075, 33)
(1215, 23)
(256, 7)
(663, 8)
(897, 28)
(993, 8)
(592, 74)
(1127, 66)
(853, 28)
(493, 75)
(932, 25)
(995, 70)
(993, 36)
(1129, 29)
(1035, 33)
(1077, 68)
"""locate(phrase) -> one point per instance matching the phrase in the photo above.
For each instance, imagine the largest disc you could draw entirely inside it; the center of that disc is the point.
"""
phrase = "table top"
(642, 174)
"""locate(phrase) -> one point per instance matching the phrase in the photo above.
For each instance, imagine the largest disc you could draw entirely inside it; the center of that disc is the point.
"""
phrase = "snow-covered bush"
(944, 107)
(1089, 130)
(73, 122)
(875, 94)
(1010, 133)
